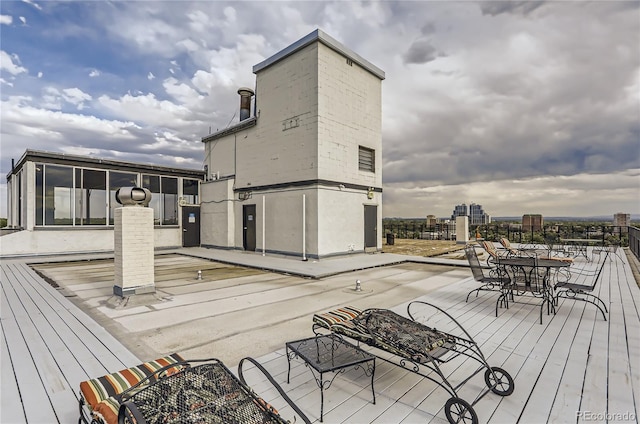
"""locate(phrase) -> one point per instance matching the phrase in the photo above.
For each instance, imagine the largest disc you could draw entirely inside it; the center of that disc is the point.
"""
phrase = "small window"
(190, 191)
(366, 159)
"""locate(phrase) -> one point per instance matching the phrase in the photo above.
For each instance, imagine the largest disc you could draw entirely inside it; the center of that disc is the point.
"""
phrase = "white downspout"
(304, 226)
(263, 225)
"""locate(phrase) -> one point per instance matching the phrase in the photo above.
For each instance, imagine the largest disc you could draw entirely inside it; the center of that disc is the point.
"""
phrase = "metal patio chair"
(491, 279)
(580, 284)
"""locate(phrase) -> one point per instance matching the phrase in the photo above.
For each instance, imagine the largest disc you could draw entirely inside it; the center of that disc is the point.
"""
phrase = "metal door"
(190, 226)
(249, 227)
(370, 226)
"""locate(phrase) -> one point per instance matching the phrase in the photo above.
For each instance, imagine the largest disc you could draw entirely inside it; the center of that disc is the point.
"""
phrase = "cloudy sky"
(522, 107)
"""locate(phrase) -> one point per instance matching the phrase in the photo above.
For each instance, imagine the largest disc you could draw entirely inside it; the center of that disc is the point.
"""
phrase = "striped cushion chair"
(100, 397)
(336, 316)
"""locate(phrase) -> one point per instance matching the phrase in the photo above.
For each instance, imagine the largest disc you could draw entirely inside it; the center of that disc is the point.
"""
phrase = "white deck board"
(9, 388)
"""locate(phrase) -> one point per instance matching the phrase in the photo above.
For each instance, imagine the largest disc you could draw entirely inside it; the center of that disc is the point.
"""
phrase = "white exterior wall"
(59, 241)
(342, 230)
(283, 232)
(220, 155)
(217, 224)
(350, 115)
(283, 145)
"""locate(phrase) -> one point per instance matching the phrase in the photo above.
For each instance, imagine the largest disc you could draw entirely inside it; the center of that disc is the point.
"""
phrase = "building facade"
(300, 174)
(621, 219)
(474, 211)
(59, 203)
(532, 222)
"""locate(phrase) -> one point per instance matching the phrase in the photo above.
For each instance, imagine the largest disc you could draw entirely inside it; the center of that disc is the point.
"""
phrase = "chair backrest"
(601, 263)
(490, 248)
(507, 245)
(587, 277)
(474, 262)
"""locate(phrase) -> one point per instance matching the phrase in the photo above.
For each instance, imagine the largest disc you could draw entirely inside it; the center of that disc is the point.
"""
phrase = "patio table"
(330, 353)
(535, 264)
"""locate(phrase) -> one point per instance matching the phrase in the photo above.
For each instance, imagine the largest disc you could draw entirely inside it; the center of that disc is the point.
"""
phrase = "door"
(190, 226)
(370, 226)
(249, 227)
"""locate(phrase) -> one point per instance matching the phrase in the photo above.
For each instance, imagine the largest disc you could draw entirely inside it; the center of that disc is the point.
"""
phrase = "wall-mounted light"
(370, 193)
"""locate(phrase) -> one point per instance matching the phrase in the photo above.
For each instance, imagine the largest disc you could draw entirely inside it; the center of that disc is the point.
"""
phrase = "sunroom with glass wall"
(49, 191)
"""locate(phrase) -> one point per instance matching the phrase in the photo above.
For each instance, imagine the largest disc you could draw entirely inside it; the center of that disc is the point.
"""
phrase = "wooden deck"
(48, 347)
(575, 367)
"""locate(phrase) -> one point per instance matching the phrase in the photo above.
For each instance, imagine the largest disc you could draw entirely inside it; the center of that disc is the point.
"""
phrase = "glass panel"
(152, 182)
(190, 191)
(57, 195)
(94, 197)
(19, 199)
(78, 199)
(39, 191)
(116, 181)
(170, 201)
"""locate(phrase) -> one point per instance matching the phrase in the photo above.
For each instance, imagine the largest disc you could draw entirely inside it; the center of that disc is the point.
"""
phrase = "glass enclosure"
(76, 196)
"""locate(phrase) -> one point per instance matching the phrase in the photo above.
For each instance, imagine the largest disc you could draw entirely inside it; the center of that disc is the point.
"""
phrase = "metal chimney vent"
(245, 102)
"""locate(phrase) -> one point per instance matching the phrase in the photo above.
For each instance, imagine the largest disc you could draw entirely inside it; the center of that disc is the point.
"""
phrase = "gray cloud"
(421, 51)
(497, 7)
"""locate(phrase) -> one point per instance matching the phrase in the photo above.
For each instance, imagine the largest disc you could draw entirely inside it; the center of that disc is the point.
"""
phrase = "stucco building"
(301, 173)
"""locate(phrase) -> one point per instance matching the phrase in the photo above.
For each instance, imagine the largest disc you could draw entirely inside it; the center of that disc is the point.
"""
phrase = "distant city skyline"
(603, 218)
(522, 107)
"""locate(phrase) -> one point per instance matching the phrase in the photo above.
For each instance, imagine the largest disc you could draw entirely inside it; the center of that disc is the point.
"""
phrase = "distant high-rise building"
(532, 222)
(460, 210)
(431, 221)
(622, 221)
(476, 214)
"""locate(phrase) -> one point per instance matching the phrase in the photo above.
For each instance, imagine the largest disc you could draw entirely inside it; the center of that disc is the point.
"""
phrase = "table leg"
(321, 398)
(288, 365)
(373, 372)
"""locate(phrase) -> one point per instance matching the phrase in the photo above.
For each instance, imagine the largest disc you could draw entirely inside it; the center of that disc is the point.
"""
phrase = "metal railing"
(634, 241)
(607, 234)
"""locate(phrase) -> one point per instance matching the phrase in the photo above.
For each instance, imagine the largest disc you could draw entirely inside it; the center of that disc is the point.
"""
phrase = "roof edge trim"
(327, 40)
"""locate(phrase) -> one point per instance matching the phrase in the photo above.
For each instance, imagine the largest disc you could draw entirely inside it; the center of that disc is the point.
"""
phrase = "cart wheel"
(502, 384)
(459, 411)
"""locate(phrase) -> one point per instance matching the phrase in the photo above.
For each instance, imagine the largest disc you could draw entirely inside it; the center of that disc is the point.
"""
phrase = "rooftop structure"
(54, 197)
(301, 174)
